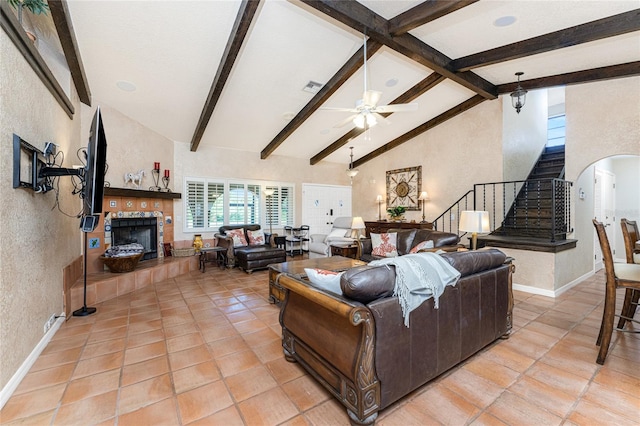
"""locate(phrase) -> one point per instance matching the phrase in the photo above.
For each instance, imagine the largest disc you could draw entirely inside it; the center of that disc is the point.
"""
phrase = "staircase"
(532, 213)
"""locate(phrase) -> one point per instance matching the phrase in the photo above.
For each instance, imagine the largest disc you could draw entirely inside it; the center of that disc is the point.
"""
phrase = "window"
(556, 130)
(211, 203)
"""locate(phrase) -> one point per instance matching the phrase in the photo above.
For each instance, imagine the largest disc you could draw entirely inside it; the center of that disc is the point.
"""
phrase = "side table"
(350, 251)
(220, 256)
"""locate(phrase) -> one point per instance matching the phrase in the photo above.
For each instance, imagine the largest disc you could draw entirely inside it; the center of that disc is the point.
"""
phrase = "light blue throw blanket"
(419, 276)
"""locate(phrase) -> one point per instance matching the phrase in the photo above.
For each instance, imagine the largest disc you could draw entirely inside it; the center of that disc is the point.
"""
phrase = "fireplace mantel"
(140, 193)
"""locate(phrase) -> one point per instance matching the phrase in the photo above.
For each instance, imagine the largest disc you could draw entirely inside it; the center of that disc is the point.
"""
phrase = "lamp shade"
(357, 223)
(268, 192)
(474, 221)
(379, 198)
(423, 196)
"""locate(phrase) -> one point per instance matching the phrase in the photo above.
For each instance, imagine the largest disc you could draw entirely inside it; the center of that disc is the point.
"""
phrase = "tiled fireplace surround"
(103, 285)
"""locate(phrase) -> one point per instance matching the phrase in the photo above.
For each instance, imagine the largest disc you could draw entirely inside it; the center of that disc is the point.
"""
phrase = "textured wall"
(456, 154)
(131, 147)
(35, 242)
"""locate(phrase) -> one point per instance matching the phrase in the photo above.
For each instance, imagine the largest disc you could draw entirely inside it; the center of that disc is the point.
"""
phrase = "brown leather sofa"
(250, 257)
(356, 344)
(409, 238)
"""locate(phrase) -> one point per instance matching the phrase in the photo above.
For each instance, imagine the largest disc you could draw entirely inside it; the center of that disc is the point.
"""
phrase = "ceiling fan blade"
(371, 97)
(346, 121)
(397, 108)
(380, 119)
(339, 109)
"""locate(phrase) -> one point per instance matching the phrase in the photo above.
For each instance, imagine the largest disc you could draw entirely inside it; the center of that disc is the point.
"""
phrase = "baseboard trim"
(552, 293)
(15, 380)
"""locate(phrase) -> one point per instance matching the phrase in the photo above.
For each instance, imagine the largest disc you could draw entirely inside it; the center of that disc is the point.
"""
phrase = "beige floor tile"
(195, 376)
(306, 392)
(587, 413)
(475, 389)
(95, 384)
(227, 417)
(250, 383)
(134, 373)
(32, 403)
(45, 378)
(98, 364)
(147, 392)
(269, 408)
(237, 362)
(543, 395)
(92, 410)
(514, 410)
(144, 352)
(203, 401)
(163, 413)
(145, 338)
(189, 357)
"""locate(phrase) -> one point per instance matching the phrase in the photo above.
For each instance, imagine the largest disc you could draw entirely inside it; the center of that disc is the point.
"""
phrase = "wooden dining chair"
(630, 236)
(619, 275)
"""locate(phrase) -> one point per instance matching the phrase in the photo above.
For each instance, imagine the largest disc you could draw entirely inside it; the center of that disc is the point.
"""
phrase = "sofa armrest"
(227, 242)
(365, 246)
(318, 238)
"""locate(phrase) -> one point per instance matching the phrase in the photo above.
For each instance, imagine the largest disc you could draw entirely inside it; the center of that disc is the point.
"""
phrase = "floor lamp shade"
(474, 221)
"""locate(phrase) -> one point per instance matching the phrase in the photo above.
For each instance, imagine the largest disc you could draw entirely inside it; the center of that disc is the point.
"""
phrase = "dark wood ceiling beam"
(247, 11)
(64, 27)
(629, 69)
(344, 73)
(419, 89)
(425, 12)
(357, 16)
(596, 30)
(458, 109)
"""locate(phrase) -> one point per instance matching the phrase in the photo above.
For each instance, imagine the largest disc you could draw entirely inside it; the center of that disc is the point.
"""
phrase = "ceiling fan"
(367, 112)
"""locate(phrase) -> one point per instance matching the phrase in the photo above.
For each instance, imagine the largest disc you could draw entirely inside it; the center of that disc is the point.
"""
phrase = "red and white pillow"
(256, 238)
(384, 245)
(421, 246)
(237, 235)
(327, 280)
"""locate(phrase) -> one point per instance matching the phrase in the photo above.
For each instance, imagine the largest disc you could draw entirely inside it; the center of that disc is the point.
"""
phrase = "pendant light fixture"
(351, 172)
(519, 96)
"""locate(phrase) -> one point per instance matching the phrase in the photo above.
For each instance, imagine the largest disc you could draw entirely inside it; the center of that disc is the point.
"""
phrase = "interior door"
(604, 211)
(321, 204)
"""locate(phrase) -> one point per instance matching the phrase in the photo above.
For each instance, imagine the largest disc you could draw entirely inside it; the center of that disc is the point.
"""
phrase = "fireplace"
(141, 230)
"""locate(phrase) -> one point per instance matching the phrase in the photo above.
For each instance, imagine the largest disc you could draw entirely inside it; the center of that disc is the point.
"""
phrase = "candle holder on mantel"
(165, 182)
(155, 173)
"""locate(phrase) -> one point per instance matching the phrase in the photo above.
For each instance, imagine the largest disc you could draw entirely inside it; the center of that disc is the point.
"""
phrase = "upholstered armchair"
(340, 235)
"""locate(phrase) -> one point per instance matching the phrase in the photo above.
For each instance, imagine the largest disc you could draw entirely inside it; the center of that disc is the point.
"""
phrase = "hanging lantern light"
(519, 96)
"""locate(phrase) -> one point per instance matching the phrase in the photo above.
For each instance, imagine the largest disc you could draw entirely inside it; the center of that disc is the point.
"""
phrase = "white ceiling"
(171, 50)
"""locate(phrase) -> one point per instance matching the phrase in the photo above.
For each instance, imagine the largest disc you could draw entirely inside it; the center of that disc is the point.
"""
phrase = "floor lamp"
(423, 197)
(474, 221)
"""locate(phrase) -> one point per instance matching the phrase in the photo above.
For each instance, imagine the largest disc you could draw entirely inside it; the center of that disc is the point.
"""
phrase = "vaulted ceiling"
(231, 73)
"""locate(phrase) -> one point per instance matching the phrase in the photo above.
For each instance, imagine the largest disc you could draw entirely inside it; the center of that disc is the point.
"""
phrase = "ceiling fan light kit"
(366, 112)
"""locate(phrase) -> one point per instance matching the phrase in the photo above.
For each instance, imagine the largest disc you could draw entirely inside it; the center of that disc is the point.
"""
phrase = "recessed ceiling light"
(504, 21)
(391, 82)
(127, 86)
(288, 116)
(324, 131)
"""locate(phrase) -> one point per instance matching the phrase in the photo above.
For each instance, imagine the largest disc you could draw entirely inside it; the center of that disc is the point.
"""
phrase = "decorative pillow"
(384, 244)
(423, 245)
(256, 238)
(326, 280)
(238, 237)
(337, 233)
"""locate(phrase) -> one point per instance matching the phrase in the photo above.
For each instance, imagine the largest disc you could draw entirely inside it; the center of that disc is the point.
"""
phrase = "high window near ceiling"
(211, 203)
(556, 131)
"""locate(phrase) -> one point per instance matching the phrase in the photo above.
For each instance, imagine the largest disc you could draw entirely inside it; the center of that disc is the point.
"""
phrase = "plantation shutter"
(286, 206)
(195, 205)
(253, 204)
(215, 204)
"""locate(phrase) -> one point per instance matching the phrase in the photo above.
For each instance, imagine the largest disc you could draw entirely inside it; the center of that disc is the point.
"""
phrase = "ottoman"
(256, 257)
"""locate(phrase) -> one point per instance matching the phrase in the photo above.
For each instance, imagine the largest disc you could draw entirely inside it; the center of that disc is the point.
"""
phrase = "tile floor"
(204, 349)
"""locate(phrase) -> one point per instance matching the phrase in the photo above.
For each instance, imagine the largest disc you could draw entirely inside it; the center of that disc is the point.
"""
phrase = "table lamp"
(423, 197)
(474, 221)
(357, 224)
